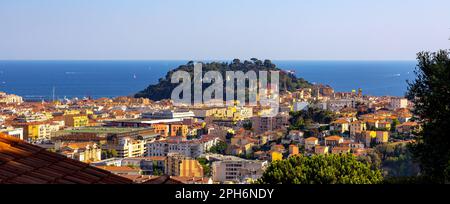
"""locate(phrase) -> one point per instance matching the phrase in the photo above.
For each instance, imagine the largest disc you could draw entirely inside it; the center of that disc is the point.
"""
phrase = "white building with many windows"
(397, 103)
(11, 131)
(10, 98)
(231, 169)
(189, 148)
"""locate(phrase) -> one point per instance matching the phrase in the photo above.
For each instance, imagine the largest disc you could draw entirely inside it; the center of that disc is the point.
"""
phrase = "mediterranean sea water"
(37, 80)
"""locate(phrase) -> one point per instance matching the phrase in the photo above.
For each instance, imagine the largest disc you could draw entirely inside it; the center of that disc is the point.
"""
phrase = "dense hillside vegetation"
(319, 169)
(163, 89)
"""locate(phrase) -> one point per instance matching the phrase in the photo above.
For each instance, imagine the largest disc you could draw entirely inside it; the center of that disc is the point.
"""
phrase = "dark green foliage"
(301, 120)
(220, 148)
(394, 124)
(163, 89)
(157, 172)
(110, 153)
(206, 166)
(373, 158)
(335, 132)
(430, 93)
(397, 160)
(319, 169)
(248, 125)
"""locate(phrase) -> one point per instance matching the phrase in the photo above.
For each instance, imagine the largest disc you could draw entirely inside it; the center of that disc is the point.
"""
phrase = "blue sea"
(36, 80)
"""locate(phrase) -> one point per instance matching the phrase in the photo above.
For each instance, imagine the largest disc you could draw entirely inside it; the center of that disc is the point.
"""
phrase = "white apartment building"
(128, 146)
(397, 103)
(299, 106)
(131, 143)
(36, 117)
(48, 130)
(15, 132)
(232, 169)
(339, 104)
(189, 148)
(10, 98)
(169, 114)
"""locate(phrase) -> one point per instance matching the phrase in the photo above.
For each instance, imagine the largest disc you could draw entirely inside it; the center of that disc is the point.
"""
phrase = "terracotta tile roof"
(23, 163)
(341, 149)
(409, 124)
(357, 122)
(119, 168)
(334, 137)
(279, 147)
(78, 145)
(138, 178)
(340, 121)
(321, 148)
(190, 180)
(311, 139)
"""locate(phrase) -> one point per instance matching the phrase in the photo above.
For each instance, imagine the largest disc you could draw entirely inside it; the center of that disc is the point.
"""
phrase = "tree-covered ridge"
(163, 89)
(320, 169)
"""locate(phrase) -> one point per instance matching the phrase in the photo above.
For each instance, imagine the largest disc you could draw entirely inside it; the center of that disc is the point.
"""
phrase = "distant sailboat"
(134, 76)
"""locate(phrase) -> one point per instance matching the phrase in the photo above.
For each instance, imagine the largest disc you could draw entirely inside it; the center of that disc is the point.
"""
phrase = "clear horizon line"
(206, 59)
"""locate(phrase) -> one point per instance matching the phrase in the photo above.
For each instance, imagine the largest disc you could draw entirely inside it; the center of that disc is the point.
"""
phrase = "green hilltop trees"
(163, 89)
(320, 169)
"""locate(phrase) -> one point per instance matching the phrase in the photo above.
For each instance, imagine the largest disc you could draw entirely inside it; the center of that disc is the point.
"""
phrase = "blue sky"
(222, 29)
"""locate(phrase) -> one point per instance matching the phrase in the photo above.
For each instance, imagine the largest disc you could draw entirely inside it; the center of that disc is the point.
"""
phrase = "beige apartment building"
(180, 165)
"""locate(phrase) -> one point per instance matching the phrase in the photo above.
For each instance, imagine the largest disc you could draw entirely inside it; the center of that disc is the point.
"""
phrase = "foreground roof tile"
(23, 163)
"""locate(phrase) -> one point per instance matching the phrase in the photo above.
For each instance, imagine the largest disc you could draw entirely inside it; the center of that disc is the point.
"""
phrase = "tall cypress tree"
(430, 92)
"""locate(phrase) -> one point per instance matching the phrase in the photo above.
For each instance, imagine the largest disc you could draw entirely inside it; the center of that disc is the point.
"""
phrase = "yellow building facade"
(191, 168)
(276, 156)
(76, 120)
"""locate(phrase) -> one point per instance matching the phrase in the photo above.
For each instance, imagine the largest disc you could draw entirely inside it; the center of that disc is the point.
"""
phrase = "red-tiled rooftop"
(119, 168)
(311, 139)
(190, 180)
(23, 163)
(333, 137)
(164, 179)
